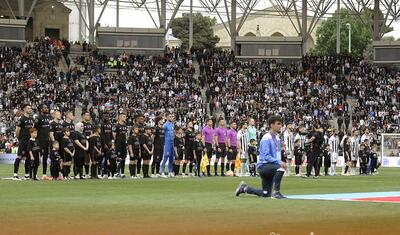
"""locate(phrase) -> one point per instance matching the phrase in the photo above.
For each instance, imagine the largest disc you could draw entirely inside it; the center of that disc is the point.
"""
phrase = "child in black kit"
(34, 151)
(198, 152)
(298, 156)
(252, 151)
(327, 158)
(55, 159)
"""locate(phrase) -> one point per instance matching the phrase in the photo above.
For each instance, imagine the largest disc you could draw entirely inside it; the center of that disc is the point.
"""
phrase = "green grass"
(193, 206)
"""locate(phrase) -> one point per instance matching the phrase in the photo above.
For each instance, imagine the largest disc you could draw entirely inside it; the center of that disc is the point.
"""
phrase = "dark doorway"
(52, 33)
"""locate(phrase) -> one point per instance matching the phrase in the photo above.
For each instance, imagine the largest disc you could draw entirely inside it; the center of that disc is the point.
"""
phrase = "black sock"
(35, 170)
(145, 170)
(346, 169)
(16, 165)
(153, 167)
(86, 169)
(64, 171)
(131, 169)
(232, 167)
(208, 169)
(326, 170)
(27, 166)
(191, 168)
(227, 166)
(76, 170)
(297, 170)
(222, 168)
(139, 165)
(80, 171)
(44, 165)
(122, 167)
(93, 171)
(158, 167)
(68, 170)
(216, 167)
(184, 168)
(177, 166)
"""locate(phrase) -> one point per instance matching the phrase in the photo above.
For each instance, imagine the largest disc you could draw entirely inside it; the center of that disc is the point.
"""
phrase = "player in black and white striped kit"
(288, 138)
(243, 140)
(334, 149)
(301, 135)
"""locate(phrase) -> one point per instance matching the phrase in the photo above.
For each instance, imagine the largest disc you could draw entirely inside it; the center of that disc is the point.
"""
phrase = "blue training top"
(169, 132)
(270, 150)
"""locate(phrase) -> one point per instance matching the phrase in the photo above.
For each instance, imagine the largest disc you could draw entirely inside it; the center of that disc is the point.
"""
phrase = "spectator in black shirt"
(42, 124)
(34, 153)
(24, 124)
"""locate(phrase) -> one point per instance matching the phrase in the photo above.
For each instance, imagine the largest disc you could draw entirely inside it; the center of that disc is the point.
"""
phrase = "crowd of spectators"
(313, 92)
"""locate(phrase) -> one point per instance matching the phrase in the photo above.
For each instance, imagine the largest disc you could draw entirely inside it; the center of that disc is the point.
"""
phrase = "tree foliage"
(203, 34)
(361, 33)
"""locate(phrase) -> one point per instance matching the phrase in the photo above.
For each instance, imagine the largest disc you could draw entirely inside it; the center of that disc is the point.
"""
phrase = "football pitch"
(194, 206)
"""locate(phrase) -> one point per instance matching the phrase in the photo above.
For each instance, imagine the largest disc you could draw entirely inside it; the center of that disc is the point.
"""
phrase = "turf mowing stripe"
(345, 196)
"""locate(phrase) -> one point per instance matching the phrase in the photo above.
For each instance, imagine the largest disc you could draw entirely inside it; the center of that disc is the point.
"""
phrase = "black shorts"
(146, 156)
(189, 154)
(232, 155)
(94, 157)
(23, 149)
(221, 151)
(180, 156)
(158, 153)
(135, 156)
(209, 150)
(45, 147)
(298, 160)
(67, 158)
(121, 151)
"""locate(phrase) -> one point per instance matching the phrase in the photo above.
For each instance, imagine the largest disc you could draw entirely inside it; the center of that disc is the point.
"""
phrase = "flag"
(238, 163)
(204, 163)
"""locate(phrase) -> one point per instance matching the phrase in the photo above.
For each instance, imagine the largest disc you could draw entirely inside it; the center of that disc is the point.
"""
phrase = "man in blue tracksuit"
(270, 165)
(168, 145)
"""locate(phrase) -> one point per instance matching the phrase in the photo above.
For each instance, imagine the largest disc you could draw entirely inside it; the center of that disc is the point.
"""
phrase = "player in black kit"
(139, 121)
(147, 150)
(88, 131)
(56, 127)
(81, 148)
(42, 124)
(159, 138)
(189, 143)
(134, 151)
(34, 153)
(95, 149)
(24, 124)
(119, 133)
(198, 151)
(67, 149)
(106, 137)
(179, 148)
(69, 122)
(55, 159)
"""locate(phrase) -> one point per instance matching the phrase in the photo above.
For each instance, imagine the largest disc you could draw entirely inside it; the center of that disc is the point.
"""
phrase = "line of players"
(101, 151)
(316, 149)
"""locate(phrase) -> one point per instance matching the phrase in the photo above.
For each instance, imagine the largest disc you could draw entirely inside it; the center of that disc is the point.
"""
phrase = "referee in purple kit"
(270, 165)
(208, 135)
